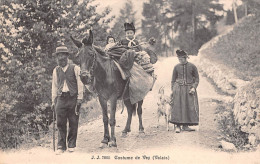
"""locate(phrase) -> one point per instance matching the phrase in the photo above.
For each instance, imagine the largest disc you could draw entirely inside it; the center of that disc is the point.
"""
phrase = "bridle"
(92, 67)
(91, 71)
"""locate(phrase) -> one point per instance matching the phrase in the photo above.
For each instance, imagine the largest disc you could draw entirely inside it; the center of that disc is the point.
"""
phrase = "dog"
(164, 107)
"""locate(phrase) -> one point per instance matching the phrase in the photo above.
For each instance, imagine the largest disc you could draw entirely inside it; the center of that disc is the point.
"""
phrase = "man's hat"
(181, 53)
(129, 26)
(62, 49)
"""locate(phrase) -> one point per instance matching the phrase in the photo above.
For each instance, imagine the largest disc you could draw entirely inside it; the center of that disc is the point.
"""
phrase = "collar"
(184, 63)
(131, 41)
(64, 68)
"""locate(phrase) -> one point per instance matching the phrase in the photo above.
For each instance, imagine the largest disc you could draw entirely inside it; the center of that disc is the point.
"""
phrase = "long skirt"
(185, 108)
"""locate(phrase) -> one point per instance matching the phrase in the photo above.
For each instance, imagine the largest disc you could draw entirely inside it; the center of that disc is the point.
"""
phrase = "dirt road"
(157, 145)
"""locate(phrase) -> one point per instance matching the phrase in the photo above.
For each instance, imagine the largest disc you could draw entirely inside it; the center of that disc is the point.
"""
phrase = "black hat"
(129, 26)
(181, 53)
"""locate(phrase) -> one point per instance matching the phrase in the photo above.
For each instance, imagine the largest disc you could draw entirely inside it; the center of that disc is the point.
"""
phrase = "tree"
(252, 6)
(30, 32)
(127, 14)
(189, 16)
(153, 22)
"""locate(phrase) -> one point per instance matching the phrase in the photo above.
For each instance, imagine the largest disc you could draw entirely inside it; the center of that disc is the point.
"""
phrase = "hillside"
(238, 50)
(232, 62)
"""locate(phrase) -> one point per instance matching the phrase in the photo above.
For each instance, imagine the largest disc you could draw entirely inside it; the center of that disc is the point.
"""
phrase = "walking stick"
(53, 134)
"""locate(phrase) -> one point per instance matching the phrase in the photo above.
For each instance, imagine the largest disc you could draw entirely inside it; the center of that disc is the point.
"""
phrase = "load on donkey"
(100, 70)
(135, 64)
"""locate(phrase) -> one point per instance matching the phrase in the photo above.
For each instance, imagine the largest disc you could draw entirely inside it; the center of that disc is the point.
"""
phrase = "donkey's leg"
(129, 108)
(103, 104)
(140, 112)
(112, 121)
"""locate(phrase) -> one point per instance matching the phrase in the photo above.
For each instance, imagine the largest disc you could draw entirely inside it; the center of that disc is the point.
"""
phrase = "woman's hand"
(192, 91)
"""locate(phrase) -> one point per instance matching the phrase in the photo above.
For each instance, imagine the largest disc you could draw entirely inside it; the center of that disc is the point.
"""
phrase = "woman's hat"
(62, 49)
(129, 26)
(181, 53)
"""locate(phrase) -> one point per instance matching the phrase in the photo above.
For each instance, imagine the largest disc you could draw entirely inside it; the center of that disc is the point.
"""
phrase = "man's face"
(182, 60)
(62, 59)
(129, 34)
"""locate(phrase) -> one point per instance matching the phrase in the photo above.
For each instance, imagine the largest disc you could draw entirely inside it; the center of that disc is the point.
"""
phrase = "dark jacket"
(185, 74)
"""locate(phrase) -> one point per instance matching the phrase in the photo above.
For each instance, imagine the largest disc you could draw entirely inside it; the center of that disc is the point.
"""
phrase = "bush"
(185, 40)
(230, 130)
(25, 101)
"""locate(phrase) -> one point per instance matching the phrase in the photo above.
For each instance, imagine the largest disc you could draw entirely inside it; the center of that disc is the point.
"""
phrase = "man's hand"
(79, 102)
(77, 108)
(53, 106)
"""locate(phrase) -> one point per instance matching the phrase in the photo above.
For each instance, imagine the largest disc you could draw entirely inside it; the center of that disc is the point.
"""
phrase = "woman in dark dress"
(185, 108)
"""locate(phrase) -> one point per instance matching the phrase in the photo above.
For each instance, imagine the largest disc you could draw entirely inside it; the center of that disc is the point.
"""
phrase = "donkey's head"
(87, 57)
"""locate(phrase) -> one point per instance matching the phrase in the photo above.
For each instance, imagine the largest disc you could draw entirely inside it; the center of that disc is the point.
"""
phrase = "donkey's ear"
(88, 40)
(91, 38)
(76, 42)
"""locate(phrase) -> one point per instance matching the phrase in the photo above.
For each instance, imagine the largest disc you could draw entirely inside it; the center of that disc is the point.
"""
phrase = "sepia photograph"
(130, 81)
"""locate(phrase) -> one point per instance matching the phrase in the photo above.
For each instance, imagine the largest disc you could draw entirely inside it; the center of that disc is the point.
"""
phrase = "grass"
(239, 49)
(230, 131)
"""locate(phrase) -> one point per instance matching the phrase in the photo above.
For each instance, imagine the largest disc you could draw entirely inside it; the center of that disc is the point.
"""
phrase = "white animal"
(164, 107)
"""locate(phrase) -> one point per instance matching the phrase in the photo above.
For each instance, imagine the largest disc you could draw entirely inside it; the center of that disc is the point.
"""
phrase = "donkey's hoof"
(112, 144)
(124, 134)
(141, 133)
(103, 145)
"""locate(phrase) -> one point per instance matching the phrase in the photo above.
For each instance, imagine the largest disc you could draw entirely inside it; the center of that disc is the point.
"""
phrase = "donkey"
(99, 70)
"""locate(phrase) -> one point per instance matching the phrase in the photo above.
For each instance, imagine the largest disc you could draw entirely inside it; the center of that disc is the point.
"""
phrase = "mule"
(99, 69)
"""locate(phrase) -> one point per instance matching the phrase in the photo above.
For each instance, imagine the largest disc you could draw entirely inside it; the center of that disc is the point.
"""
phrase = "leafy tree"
(30, 32)
(153, 22)
(191, 16)
(251, 6)
(187, 17)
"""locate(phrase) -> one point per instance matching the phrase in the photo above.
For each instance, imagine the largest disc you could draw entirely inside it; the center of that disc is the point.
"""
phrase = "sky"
(116, 5)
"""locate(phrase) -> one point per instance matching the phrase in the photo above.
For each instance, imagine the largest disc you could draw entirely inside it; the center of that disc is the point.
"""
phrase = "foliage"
(247, 7)
(30, 31)
(184, 39)
(184, 18)
(230, 130)
(239, 49)
(152, 24)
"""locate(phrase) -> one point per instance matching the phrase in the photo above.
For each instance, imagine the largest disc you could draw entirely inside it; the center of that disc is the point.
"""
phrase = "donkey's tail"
(134, 109)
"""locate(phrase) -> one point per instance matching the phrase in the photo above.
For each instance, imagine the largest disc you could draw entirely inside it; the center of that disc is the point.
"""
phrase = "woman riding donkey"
(143, 58)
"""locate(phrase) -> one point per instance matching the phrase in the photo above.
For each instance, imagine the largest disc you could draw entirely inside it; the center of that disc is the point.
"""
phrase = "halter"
(91, 71)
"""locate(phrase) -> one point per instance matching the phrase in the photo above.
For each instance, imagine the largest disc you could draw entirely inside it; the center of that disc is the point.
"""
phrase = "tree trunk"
(245, 8)
(172, 46)
(235, 10)
(193, 21)
(165, 44)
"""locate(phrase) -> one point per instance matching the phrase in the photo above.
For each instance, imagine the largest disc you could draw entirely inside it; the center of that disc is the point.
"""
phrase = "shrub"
(230, 130)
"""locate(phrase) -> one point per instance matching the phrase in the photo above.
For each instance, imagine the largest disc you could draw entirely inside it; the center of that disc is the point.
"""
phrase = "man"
(67, 95)
(185, 79)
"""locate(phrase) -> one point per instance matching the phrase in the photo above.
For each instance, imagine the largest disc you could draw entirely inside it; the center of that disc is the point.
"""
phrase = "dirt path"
(200, 146)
